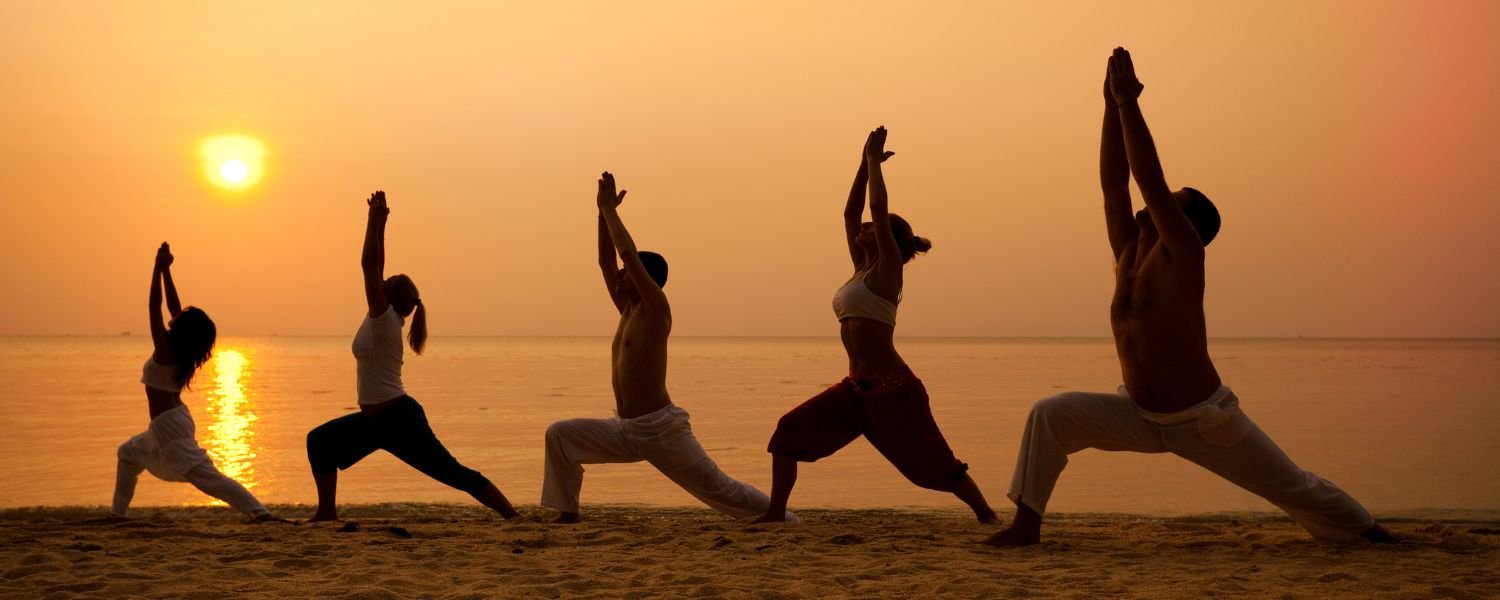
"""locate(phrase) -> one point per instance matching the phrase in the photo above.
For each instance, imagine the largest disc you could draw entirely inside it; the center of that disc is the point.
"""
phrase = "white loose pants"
(663, 438)
(1214, 434)
(169, 450)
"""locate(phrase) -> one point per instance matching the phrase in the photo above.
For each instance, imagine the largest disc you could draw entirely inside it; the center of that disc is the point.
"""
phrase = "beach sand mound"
(399, 551)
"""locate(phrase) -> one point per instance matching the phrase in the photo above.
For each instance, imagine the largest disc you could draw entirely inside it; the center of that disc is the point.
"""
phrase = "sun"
(232, 162)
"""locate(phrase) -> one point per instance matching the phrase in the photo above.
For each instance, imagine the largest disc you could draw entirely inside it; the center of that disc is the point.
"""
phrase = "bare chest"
(1152, 288)
(636, 336)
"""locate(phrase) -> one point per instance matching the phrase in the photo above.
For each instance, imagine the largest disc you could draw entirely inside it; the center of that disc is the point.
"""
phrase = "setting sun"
(233, 162)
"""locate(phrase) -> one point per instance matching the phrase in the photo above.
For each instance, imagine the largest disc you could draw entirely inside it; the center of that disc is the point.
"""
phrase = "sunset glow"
(233, 162)
(737, 133)
(231, 430)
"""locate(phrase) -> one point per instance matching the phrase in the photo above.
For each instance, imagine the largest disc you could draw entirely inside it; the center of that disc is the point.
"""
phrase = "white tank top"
(377, 357)
(856, 299)
(162, 377)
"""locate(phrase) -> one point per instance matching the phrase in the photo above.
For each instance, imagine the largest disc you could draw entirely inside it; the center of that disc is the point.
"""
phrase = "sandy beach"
(445, 551)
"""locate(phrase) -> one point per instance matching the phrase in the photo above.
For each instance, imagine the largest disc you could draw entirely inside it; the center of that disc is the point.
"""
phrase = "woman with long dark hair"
(880, 399)
(169, 447)
(388, 419)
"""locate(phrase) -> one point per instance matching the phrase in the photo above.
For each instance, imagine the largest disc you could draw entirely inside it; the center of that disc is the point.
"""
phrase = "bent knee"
(792, 423)
(318, 438)
(557, 431)
(1058, 403)
(321, 450)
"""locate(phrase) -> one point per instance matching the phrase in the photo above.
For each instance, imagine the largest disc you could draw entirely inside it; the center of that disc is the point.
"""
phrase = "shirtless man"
(647, 426)
(1172, 400)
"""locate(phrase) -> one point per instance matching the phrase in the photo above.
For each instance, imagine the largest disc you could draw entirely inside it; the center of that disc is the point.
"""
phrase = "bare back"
(1160, 331)
(639, 355)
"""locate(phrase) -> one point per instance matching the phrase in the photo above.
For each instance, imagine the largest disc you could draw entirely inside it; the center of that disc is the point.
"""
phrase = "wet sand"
(447, 551)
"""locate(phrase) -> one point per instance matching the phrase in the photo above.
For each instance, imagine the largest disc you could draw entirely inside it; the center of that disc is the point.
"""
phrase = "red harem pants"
(890, 410)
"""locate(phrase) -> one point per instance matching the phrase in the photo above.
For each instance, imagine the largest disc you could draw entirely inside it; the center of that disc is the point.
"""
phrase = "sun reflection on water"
(232, 432)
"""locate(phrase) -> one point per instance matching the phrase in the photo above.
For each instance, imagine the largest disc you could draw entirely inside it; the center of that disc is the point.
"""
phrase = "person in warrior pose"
(880, 399)
(169, 448)
(647, 425)
(1172, 399)
(388, 419)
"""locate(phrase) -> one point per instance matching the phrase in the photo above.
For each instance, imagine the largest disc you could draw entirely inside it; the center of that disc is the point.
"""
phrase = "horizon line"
(791, 336)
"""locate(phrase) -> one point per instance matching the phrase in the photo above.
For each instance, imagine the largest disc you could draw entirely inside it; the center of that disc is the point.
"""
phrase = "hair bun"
(920, 243)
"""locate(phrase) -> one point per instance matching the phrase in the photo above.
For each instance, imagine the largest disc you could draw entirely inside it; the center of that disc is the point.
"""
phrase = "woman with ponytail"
(169, 447)
(880, 399)
(388, 419)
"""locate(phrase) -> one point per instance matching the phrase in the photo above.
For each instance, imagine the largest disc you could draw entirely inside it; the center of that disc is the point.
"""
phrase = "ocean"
(1402, 425)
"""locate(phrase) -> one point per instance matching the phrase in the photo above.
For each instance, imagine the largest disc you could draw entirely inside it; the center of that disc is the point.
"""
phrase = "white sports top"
(856, 299)
(377, 355)
(158, 376)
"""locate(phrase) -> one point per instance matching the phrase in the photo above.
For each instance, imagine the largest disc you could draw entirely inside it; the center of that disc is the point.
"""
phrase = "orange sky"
(1350, 145)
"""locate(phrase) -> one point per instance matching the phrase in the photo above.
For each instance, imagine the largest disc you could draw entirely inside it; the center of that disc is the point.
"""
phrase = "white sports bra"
(158, 376)
(856, 299)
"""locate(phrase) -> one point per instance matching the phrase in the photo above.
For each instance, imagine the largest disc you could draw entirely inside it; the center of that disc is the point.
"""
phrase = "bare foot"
(567, 518)
(776, 517)
(1015, 535)
(269, 518)
(320, 517)
(112, 519)
(989, 519)
(1379, 535)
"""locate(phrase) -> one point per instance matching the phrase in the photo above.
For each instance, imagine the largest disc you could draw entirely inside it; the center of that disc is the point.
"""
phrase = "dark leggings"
(400, 429)
(891, 411)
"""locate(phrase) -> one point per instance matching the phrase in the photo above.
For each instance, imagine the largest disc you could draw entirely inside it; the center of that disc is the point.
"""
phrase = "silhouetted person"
(880, 399)
(1172, 399)
(169, 446)
(388, 419)
(647, 425)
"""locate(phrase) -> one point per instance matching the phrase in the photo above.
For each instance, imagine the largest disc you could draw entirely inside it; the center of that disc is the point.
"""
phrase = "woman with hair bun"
(388, 419)
(880, 399)
(169, 447)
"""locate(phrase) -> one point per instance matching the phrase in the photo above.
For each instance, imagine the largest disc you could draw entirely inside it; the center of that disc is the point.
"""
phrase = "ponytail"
(417, 336)
(921, 244)
(909, 243)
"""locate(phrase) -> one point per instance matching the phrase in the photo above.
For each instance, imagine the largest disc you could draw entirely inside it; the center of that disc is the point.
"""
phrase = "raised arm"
(372, 259)
(609, 202)
(888, 264)
(854, 212)
(609, 265)
(1114, 177)
(854, 209)
(1171, 223)
(161, 352)
(174, 306)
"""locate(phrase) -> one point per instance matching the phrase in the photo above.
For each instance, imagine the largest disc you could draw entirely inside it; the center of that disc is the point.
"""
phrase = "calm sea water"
(1399, 424)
